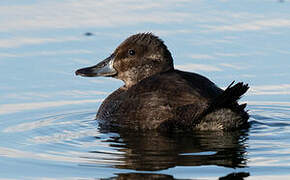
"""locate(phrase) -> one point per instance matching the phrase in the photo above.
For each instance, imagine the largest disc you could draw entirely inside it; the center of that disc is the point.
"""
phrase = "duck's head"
(138, 57)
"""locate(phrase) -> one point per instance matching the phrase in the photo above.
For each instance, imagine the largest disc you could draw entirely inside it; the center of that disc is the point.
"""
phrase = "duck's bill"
(104, 68)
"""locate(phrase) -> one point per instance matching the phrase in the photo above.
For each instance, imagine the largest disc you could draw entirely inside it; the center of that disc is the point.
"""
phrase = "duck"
(156, 96)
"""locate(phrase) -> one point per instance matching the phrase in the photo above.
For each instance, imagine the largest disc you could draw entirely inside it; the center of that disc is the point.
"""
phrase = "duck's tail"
(231, 95)
(229, 98)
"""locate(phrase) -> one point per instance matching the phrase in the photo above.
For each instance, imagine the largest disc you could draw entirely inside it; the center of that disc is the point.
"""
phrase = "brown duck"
(157, 96)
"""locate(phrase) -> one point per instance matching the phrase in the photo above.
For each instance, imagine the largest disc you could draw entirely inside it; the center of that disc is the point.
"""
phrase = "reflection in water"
(235, 176)
(153, 151)
(150, 176)
(141, 176)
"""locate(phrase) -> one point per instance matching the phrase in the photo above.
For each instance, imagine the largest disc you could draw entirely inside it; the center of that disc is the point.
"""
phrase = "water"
(47, 126)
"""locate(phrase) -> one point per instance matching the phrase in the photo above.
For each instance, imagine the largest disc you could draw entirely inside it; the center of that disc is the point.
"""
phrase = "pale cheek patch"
(129, 77)
(155, 57)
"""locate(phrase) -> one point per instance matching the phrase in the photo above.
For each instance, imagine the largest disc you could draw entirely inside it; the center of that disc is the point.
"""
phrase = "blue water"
(47, 126)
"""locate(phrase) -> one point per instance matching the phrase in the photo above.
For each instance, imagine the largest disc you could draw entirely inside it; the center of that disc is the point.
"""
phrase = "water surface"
(47, 126)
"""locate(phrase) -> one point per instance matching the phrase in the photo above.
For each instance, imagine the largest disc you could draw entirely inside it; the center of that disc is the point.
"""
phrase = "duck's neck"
(135, 75)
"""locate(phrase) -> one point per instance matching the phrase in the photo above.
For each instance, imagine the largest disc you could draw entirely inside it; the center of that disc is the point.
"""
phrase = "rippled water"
(47, 126)
(69, 144)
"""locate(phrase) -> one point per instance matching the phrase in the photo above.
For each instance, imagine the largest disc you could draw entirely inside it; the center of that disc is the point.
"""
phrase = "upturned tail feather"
(231, 95)
(229, 98)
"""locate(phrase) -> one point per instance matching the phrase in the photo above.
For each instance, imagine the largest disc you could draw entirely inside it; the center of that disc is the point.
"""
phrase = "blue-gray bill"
(104, 68)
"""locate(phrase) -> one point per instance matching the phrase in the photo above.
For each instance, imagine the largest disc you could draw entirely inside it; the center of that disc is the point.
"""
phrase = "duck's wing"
(191, 115)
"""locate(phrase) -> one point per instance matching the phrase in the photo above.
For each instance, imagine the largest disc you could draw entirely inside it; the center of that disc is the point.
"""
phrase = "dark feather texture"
(157, 96)
(229, 98)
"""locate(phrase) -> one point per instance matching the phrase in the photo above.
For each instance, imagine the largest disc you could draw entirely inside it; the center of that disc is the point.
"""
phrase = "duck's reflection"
(152, 151)
(151, 176)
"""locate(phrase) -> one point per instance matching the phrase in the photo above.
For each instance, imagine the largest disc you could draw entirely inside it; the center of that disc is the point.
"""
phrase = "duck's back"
(174, 97)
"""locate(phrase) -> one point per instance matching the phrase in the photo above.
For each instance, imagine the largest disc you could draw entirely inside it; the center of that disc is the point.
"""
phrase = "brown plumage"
(157, 96)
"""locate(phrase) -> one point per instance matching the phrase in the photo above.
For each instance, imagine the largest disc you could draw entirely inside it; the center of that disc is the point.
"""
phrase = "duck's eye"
(131, 52)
